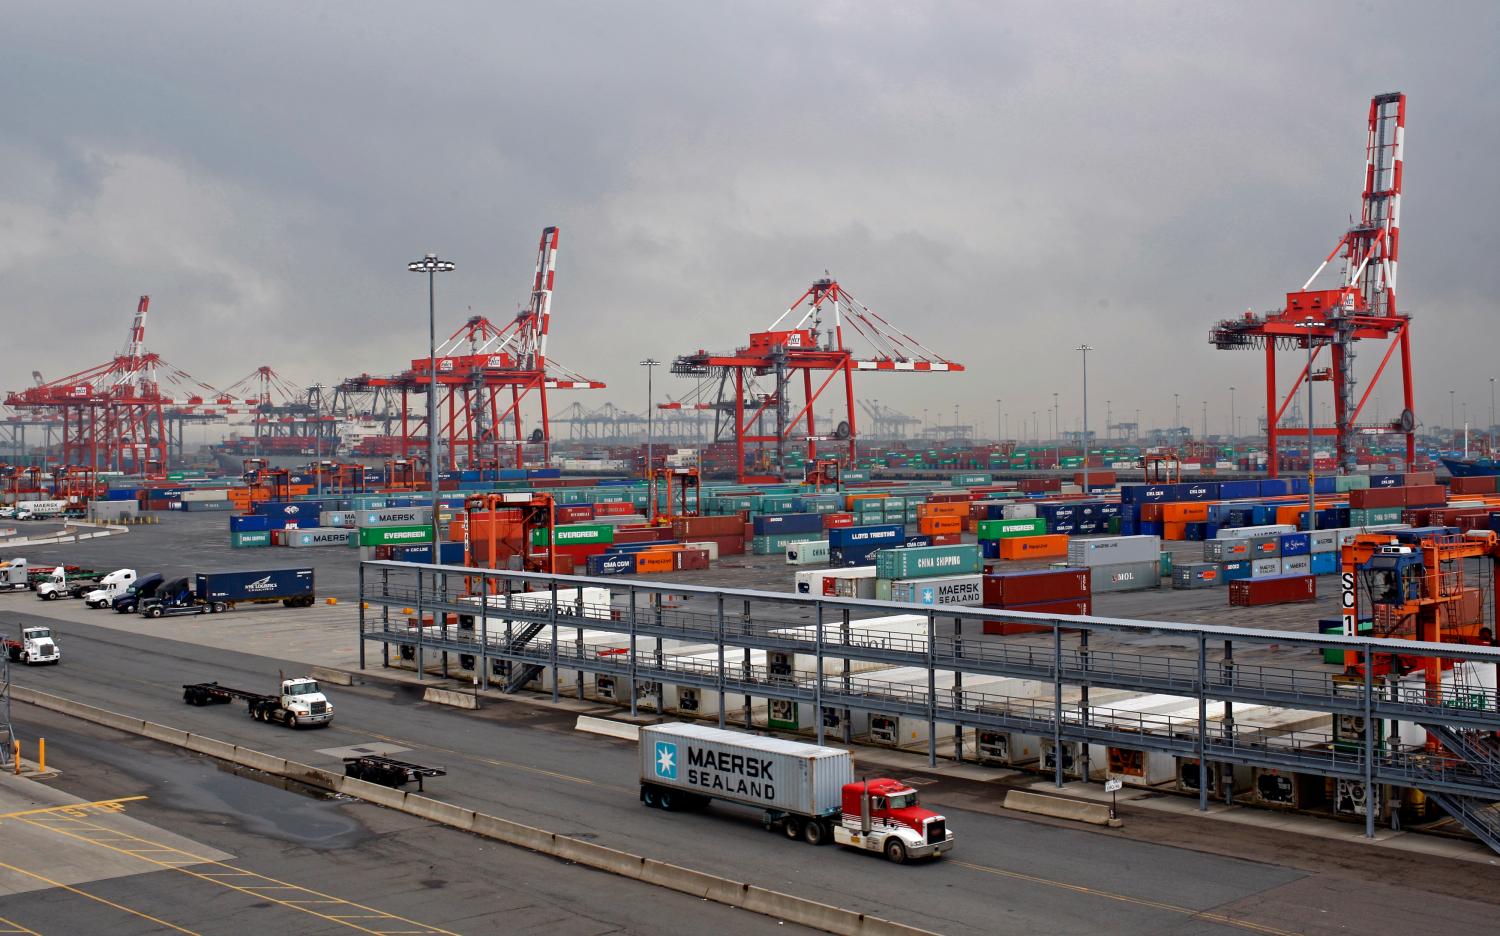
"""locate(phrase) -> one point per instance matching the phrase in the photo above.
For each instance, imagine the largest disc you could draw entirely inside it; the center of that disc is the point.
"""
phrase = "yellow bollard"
(41, 755)
(332, 601)
(17, 758)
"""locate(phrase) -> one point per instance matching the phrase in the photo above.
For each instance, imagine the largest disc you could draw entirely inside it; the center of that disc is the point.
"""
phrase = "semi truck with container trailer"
(806, 790)
(35, 645)
(301, 701)
(213, 592)
(128, 601)
(39, 509)
(15, 575)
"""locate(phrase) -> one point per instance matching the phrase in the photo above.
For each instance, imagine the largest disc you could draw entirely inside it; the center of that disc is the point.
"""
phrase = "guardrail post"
(421, 627)
(1202, 722)
(847, 714)
(931, 691)
(1057, 744)
(578, 607)
(1226, 774)
(745, 672)
(484, 633)
(720, 623)
(958, 692)
(634, 705)
(441, 595)
(818, 663)
(553, 615)
(1369, 765)
(1083, 697)
(385, 617)
(361, 615)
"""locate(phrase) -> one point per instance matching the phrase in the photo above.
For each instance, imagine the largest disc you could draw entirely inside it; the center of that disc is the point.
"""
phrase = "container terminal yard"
(459, 638)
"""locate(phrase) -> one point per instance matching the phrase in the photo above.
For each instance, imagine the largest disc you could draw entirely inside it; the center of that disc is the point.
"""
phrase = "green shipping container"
(1331, 655)
(1008, 529)
(577, 534)
(1165, 561)
(1342, 483)
(925, 561)
(404, 535)
(256, 538)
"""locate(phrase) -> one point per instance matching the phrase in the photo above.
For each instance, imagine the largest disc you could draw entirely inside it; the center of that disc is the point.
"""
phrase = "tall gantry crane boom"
(751, 389)
(1362, 306)
(487, 375)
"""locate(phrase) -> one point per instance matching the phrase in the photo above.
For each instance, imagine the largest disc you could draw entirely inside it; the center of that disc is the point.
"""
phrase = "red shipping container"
(1278, 589)
(708, 527)
(1365, 498)
(832, 520)
(1012, 628)
(574, 513)
(563, 564)
(614, 510)
(1039, 485)
(690, 560)
(1426, 495)
(1420, 478)
(643, 534)
(1479, 484)
(580, 554)
(1018, 588)
(1096, 478)
(947, 539)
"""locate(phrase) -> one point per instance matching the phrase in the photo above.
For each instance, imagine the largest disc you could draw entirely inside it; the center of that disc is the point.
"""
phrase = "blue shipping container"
(886, 534)
(1295, 544)
(1275, 487)
(1238, 570)
(1233, 490)
(248, 586)
(778, 524)
(1198, 491)
(250, 523)
(1325, 563)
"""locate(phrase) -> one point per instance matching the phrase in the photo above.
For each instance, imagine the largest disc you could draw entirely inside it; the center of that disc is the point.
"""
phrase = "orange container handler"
(1051, 546)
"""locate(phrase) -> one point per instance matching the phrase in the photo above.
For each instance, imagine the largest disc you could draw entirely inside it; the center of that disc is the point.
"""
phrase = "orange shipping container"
(939, 526)
(1051, 546)
(1176, 532)
(1288, 514)
(945, 509)
(1185, 512)
(653, 560)
(1151, 512)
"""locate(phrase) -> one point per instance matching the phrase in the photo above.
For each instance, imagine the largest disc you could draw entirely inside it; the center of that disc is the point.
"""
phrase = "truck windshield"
(40, 633)
(903, 800)
(301, 688)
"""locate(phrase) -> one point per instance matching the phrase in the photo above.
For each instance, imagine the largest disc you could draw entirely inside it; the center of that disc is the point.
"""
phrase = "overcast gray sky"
(1003, 180)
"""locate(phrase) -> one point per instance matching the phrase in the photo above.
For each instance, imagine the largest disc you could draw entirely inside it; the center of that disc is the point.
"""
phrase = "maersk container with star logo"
(769, 773)
(962, 590)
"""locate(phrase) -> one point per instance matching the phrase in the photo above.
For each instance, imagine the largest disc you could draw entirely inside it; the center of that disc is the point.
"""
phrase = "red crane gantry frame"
(485, 375)
(765, 418)
(1362, 307)
(114, 415)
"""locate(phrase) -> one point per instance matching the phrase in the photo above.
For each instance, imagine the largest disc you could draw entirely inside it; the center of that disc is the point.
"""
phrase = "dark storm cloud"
(1003, 180)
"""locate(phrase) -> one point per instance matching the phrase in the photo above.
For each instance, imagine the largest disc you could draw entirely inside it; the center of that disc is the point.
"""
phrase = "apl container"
(1113, 550)
(1226, 550)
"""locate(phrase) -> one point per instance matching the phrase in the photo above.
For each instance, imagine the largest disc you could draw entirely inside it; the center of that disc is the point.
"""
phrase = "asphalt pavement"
(133, 836)
(524, 762)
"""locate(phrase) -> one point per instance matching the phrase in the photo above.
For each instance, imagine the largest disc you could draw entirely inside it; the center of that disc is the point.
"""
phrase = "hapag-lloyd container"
(928, 561)
(1113, 550)
(1126, 576)
(767, 773)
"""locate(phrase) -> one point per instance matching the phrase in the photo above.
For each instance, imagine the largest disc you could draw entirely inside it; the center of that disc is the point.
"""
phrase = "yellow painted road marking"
(77, 810)
(11, 926)
(96, 898)
(1206, 915)
(258, 891)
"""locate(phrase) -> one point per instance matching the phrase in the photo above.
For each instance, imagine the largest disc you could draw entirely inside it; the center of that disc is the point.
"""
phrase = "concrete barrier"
(374, 793)
(173, 736)
(211, 747)
(334, 677)
(449, 697)
(255, 760)
(1059, 807)
(425, 807)
(514, 833)
(608, 727)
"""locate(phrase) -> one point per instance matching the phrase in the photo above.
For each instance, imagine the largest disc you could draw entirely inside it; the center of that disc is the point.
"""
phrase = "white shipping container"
(963, 590)
(1114, 550)
(1261, 568)
(1269, 529)
(810, 552)
(852, 582)
(803, 779)
(1296, 565)
(1019, 512)
(711, 546)
(1325, 540)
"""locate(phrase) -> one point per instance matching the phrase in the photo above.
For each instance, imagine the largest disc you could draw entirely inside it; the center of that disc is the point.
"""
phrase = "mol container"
(1113, 550)
(1126, 576)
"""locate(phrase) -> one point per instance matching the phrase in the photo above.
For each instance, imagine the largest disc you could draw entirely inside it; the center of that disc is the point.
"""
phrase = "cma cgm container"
(1277, 589)
(1113, 550)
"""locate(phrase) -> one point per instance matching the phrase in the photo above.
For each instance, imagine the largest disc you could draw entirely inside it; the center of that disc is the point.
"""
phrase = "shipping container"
(928, 561)
(767, 773)
(394, 535)
(1197, 575)
(1226, 550)
(965, 590)
(580, 534)
(1265, 568)
(1296, 565)
(1126, 576)
(1111, 550)
(298, 538)
(807, 552)
(1278, 589)
(1005, 529)
(1020, 588)
(1052, 546)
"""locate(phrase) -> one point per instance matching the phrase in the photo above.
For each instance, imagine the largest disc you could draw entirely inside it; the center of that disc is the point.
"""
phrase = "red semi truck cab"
(883, 815)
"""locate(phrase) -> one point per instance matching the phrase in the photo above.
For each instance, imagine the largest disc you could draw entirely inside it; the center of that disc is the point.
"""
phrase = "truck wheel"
(816, 833)
(216, 607)
(668, 800)
(291, 721)
(895, 851)
(791, 827)
(648, 796)
(48, 596)
(26, 657)
(154, 613)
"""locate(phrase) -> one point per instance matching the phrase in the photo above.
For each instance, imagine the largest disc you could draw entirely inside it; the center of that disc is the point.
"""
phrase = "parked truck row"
(154, 595)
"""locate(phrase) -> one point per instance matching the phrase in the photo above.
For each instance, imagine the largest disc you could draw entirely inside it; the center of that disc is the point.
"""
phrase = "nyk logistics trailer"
(292, 587)
(806, 789)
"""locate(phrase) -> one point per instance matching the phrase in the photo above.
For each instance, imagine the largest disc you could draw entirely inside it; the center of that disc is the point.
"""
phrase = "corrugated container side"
(798, 778)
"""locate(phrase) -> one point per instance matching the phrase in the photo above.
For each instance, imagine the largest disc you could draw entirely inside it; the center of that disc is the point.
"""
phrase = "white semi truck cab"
(36, 645)
(109, 587)
(300, 703)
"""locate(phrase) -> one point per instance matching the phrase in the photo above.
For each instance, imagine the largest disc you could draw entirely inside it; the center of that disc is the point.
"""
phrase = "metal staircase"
(523, 673)
(1479, 753)
(1478, 816)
